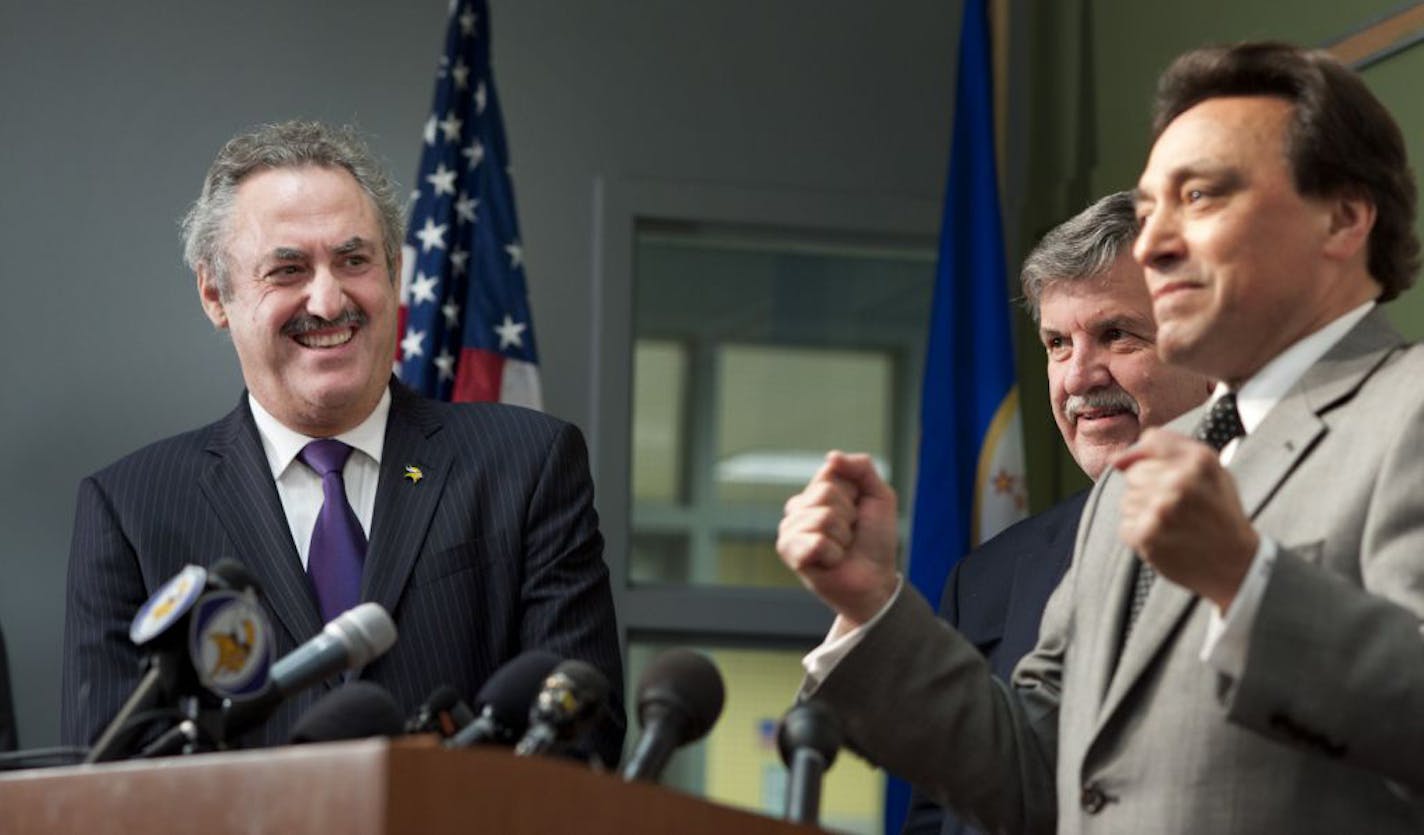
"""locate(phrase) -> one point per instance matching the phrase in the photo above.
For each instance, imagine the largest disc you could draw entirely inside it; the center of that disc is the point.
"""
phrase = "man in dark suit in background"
(483, 540)
(1105, 383)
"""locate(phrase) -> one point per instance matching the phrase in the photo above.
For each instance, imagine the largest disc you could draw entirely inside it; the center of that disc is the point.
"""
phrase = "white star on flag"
(474, 152)
(431, 236)
(480, 99)
(510, 333)
(465, 208)
(452, 313)
(450, 126)
(467, 22)
(445, 363)
(423, 288)
(516, 255)
(458, 257)
(429, 132)
(461, 74)
(411, 345)
(443, 180)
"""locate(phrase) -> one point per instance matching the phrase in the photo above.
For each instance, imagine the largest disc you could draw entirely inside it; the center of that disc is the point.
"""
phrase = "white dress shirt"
(299, 487)
(1228, 636)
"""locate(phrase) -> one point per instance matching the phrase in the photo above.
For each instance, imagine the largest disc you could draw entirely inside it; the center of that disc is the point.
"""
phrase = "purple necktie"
(338, 545)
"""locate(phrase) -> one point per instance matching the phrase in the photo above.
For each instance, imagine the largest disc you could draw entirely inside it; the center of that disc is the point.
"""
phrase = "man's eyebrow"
(1135, 324)
(286, 253)
(353, 244)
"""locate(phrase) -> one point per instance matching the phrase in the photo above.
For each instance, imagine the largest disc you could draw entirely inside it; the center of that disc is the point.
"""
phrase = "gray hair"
(1084, 246)
(286, 145)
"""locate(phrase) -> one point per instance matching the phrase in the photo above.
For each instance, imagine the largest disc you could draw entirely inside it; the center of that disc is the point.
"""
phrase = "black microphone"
(444, 713)
(570, 702)
(223, 599)
(680, 696)
(505, 699)
(354, 639)
(355, 710)
(808, 739)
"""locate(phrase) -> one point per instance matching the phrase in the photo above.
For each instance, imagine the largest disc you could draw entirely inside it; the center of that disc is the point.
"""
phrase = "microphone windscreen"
(686, 682)
(353, 711)
(507, 694)
(812, 725)
(366, 631)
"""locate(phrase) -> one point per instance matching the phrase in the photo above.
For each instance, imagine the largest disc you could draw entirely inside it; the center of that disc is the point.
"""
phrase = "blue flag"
(971, 472)
(466, 330)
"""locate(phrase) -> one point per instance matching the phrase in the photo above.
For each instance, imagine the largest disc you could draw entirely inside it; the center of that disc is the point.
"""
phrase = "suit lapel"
(1269, 454)
(239, 487)
(1263, 461)
(405, 504)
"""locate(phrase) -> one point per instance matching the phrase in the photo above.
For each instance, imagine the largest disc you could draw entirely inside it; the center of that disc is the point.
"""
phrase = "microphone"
(354, 639)
(808, 739)
(203, 629)
(506, 697)
(444, 713)
(569, 704)
(680, 696)
(355, 710)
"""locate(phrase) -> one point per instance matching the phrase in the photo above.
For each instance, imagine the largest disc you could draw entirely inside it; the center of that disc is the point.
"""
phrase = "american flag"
(466, 332)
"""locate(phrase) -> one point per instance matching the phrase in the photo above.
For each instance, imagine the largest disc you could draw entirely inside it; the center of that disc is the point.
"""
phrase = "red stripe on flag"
(478, 376)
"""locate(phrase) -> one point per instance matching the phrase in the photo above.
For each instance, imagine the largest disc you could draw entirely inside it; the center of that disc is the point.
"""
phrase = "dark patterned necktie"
(338, 545)
(1220, 427)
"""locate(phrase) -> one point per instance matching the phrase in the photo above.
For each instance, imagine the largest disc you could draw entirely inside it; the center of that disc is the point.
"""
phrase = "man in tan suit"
(1237, 647)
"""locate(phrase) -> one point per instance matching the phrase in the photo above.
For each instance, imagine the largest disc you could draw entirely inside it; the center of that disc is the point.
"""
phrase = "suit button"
(1092, 799)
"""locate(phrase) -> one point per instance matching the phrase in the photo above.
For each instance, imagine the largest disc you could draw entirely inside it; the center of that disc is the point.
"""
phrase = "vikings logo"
(233, 649)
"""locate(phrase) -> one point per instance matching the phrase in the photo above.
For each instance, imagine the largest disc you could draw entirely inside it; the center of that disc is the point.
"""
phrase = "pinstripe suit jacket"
(1322, 733)
(495, 551)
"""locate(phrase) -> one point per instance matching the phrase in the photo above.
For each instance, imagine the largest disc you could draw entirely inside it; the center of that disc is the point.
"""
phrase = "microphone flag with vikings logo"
(971, 464)
(466, 330)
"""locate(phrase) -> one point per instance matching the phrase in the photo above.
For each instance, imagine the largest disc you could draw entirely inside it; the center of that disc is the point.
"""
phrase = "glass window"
(754, 353)
(780, 409)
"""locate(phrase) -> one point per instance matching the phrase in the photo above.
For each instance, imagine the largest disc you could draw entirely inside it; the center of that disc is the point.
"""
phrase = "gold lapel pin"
(414, 474)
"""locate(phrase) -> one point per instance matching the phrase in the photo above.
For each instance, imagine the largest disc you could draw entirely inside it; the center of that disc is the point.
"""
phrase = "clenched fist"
(839, 536)
(1182, 514)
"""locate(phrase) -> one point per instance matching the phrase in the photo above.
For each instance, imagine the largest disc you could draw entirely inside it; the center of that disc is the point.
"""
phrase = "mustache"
(306, 323)
(1110, 397)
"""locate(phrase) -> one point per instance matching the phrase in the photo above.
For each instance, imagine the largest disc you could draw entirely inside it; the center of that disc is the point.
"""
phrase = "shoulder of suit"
(494, 415)
(1025, 538)
(172, 452)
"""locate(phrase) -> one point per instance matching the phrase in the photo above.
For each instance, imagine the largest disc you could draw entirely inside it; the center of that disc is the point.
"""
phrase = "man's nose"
(325, 296)
(1086, 371)
(1159, 242)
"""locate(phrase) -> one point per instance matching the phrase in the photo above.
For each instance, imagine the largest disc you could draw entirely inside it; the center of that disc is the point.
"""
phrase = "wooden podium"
(368, 786)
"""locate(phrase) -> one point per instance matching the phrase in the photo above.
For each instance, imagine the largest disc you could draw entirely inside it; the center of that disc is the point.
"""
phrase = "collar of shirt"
(1258, 395)
(300, 489)
(282, 444)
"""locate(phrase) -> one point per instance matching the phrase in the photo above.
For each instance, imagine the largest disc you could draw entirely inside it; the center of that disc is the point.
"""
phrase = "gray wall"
(113, 110)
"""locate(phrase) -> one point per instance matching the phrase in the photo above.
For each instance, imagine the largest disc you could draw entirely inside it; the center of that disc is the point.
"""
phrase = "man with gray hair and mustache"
(472, 524)
(1106, 383)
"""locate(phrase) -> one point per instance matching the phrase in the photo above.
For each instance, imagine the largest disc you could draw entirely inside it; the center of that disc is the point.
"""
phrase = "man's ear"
(1352, 217)
(211, 297)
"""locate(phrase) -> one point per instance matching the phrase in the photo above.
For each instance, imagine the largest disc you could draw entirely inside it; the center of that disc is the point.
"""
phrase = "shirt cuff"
(820, 661)
(1229, 637)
